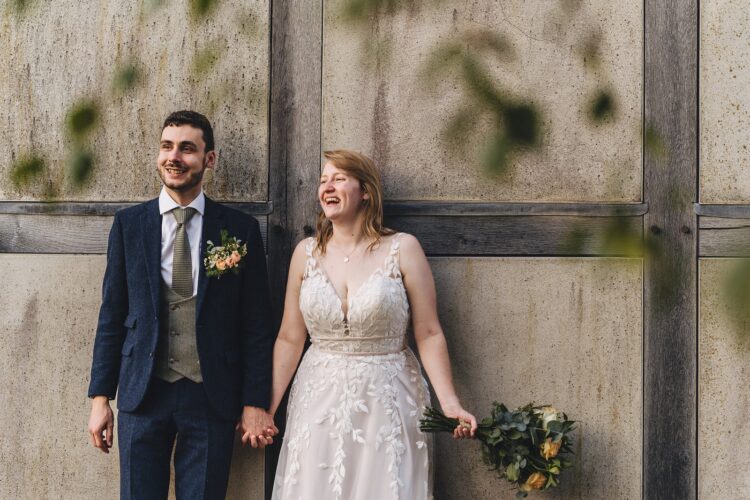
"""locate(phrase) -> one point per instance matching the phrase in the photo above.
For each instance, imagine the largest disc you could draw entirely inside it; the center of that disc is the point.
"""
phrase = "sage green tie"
(182, 267)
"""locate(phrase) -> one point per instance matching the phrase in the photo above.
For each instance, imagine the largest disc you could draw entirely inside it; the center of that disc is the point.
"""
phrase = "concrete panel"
(59, 52)
(723, 397)
(559, 331)
(724, 101)
(49, 305)
(374, 101)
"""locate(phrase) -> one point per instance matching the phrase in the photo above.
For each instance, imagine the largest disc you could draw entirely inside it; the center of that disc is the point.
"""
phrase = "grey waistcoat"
(177, 351)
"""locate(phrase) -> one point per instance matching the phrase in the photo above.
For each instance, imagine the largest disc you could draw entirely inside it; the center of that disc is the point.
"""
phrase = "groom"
(188, 356)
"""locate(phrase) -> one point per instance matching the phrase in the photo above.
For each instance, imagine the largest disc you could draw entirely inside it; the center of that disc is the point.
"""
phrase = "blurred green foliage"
(27, 169)
(201, 8)
(602, 106)
(736, 297)
(126, 77)
(206, 58)
(80, 167)
(515, 122)
(82, 118)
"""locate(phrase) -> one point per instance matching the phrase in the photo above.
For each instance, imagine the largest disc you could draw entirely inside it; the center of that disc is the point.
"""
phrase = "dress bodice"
(377, 313)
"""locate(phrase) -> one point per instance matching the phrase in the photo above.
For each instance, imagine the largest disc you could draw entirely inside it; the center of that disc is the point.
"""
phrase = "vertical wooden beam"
(670, 286)
(295, 116)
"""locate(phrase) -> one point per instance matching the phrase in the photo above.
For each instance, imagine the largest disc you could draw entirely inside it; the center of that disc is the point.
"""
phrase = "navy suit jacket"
(233, 316)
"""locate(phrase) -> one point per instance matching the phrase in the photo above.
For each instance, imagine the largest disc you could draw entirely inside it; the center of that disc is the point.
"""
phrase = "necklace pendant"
(346, 259)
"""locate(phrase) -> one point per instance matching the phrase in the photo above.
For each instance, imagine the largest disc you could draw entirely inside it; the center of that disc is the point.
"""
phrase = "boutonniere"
(226, 257)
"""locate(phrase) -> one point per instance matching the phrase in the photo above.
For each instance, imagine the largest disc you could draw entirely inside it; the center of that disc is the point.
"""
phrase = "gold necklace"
(347, 255)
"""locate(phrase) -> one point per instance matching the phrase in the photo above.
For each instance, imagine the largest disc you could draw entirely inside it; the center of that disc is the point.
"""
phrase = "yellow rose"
(550, 449)
(220, 265)
(536, 481)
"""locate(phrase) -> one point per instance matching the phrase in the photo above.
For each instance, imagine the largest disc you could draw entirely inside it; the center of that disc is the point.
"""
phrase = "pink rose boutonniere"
(225, 258)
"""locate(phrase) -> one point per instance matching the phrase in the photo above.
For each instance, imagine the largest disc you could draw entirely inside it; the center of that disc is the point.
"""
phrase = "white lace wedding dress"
(352, 421)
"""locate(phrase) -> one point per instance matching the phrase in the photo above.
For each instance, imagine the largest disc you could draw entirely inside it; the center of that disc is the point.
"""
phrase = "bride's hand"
(467, 428)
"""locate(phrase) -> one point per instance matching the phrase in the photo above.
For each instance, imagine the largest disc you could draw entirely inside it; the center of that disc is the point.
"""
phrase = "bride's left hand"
(467, 427)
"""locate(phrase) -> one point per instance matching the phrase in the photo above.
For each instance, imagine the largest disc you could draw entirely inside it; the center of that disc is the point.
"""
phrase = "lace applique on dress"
(355, 403)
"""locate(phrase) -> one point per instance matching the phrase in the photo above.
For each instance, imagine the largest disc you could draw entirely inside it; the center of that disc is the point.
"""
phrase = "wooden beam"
(670, 277)
(295, 131)
(460, 208)
(106, 208)
(60, 234)
(730, 211)
(523, 235)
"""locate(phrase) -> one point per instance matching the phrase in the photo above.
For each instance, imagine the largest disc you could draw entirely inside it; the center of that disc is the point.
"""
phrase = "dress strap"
(392, 265)
(310, 262)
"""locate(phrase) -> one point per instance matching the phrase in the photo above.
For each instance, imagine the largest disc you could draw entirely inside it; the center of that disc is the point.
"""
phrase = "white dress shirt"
(194, 229)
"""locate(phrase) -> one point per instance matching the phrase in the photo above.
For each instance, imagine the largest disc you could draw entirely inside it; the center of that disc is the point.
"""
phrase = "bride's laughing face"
(340, 194)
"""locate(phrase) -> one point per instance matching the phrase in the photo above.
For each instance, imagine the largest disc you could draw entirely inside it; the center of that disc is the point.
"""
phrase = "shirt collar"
(166, 203)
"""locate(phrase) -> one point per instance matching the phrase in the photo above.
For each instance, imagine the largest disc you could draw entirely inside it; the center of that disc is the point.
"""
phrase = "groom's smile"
(183, 159)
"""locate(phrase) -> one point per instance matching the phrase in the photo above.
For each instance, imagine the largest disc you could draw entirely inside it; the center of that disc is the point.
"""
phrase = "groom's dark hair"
(194, 119)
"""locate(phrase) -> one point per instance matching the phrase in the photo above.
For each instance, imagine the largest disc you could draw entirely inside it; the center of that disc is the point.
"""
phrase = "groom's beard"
(192, 180)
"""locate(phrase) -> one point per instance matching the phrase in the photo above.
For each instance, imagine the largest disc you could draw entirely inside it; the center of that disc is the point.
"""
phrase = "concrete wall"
(59, 52)
(49, 306)
(565, 332)
(723, 398)
(724, 101)
(724, 347)
(374, 99)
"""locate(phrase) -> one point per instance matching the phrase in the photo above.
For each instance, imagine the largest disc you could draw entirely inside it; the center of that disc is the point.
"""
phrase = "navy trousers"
(170, 412)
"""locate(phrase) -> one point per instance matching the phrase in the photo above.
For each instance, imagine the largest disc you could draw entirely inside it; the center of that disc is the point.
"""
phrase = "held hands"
(101, 424)
(467, 427)
(257, 427)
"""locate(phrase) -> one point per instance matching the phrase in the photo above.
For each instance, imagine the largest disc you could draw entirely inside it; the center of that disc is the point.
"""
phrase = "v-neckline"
(350, 296)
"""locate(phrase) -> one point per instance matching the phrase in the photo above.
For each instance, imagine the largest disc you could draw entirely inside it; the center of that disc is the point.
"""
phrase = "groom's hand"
(101, 423)
(257, 427)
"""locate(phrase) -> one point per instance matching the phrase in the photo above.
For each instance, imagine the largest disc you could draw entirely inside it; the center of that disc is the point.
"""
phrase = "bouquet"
(527, 446)
(224, 258)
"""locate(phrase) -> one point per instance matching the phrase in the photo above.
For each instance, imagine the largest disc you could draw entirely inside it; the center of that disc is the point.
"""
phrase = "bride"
(354, 407)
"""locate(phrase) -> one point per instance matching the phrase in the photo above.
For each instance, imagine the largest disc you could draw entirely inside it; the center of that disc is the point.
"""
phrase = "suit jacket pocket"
(127, 348)
(130, 321)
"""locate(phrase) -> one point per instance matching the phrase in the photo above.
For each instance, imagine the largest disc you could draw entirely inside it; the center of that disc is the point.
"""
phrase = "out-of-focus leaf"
(603, 106)
(655, 145)
(82, 118)
(736, 295)
(479, 82)
(201, 8)
(26, 170)
(495, 158)
(126, 77)
(522, 124)
(461, 125)
(361, 10)
(205, 59)
(80, 167)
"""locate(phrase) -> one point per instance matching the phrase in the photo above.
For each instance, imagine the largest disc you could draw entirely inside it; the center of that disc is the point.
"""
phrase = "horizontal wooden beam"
(728, 211)
(61, 234)
(440, 235)
(520, 235)
(77, 208)
(478, 209)
(724, 236)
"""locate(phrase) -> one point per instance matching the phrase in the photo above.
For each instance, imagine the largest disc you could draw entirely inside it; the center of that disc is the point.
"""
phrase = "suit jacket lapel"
(151, 232)
(212, 224)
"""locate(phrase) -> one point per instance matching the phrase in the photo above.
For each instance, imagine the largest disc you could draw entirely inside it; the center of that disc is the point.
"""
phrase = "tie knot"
(182, 215)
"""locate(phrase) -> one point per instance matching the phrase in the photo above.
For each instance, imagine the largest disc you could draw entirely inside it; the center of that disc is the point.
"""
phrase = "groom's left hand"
(257, 427)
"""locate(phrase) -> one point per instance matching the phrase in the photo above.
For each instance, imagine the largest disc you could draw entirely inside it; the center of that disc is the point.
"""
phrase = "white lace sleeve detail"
(392, 264)
(310, 261)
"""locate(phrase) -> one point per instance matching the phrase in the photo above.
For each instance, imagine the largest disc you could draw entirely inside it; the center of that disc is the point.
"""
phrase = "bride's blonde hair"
(363, 169)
